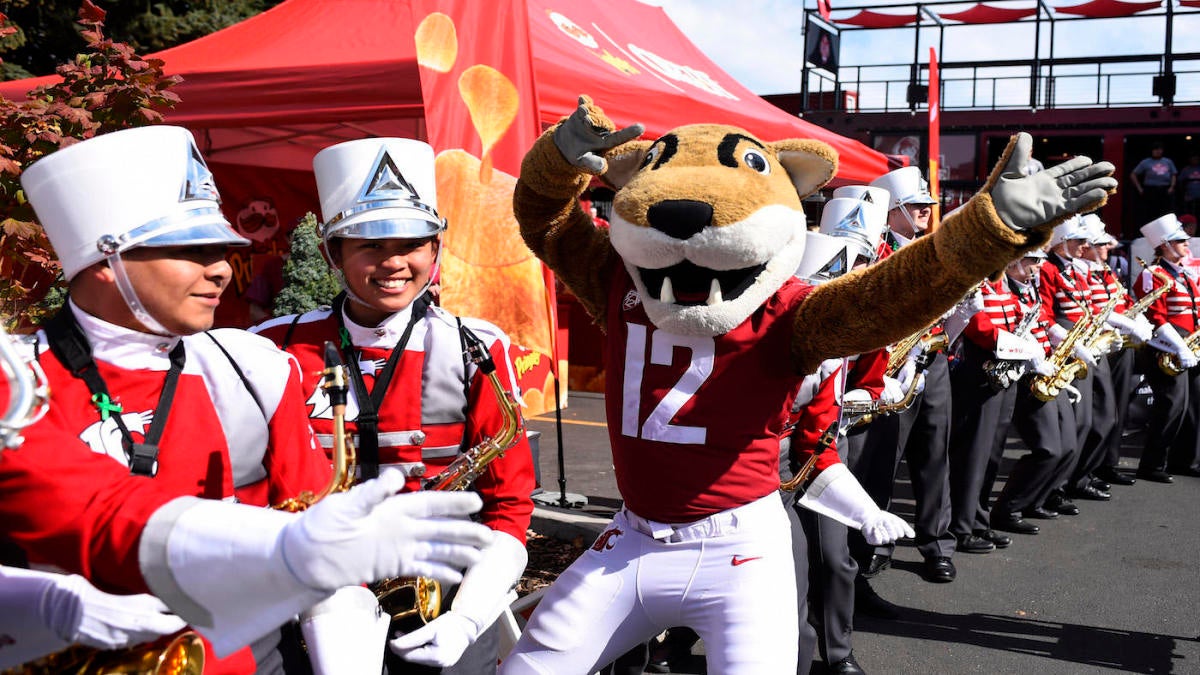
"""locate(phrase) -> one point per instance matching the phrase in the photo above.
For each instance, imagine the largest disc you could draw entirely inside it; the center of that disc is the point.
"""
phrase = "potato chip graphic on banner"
(492, 101)
(437, 42)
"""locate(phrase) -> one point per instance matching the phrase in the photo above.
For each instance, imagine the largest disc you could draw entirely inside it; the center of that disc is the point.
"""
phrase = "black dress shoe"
(1013, 522)
(1058, 503)
(940, 570)
(1114, 475)
(1090, 492)
(877, 564)
(1039, 513)
(1156, 476)
(868, 603)
(998, 540)
(847, 666)
(1100, 485)
(974, 544)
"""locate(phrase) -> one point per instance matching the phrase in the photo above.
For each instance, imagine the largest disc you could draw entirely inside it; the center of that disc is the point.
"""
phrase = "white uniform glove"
(1041, 366)
(1014, 347)
(1145, 328)
(43, 612)
(907, 373)
(1056, 333)
(1025, 202)
(1131, 327)
(837, 494)
(893, 391)
(481, 598)
(1168, 339)
(856, 396)
(1073, 395)
(1081, 352)
(288, 562)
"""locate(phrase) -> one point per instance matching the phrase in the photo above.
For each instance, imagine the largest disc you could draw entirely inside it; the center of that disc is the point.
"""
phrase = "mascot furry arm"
(707, 221)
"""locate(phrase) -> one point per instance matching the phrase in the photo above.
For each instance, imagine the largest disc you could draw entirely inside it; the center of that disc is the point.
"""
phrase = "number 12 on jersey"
(657, 426)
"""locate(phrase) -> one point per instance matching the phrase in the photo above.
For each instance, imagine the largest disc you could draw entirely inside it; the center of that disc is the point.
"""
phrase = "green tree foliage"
(104, 88)
(308, 282)
(49, 35)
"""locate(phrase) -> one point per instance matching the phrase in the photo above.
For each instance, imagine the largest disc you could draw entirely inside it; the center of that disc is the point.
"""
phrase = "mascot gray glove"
(583, 142)
(1025, 202)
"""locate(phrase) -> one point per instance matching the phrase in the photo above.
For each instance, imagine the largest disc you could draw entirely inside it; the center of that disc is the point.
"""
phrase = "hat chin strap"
(125, 286)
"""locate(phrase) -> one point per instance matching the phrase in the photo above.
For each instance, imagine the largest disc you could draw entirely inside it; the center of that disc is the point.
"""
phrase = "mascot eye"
(651, 155)
(755, 160)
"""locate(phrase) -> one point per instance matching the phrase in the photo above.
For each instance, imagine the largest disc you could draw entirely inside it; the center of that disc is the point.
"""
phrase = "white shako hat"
(378, 188)
(825, 258)
(1071, 228)
(1163, 229)
(866, 193)
(860, 222)
(906, 186)
(146, 186)
(1039, 253)
(1097, 234)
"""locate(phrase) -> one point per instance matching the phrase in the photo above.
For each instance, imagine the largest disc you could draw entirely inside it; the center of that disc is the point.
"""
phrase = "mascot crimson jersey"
(429, 414)
(694, 436)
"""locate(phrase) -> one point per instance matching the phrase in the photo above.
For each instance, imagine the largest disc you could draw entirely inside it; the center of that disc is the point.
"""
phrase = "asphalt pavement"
(1114, 589)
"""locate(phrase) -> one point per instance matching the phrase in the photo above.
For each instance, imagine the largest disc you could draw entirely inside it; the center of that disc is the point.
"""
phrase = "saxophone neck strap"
(369, 402)
(70, 346)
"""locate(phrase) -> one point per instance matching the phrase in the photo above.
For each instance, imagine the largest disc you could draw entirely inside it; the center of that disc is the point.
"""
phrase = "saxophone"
(1066, 368)
(1169, 363)
(1138, 308)
(1102, 339)
(412, 601)
(1002, 373)
(929, 343)
(826, 441)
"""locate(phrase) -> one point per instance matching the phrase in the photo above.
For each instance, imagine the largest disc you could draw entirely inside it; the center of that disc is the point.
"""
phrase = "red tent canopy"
(272, 90)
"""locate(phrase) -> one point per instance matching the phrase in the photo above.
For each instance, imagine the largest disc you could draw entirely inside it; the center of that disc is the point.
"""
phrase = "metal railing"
(1125, 81)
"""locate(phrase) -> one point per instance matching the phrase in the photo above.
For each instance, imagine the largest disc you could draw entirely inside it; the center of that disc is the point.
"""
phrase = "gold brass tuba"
(418, 600)
(182, 655)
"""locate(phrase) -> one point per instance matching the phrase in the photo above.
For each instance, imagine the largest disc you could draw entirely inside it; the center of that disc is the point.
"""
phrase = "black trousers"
(1047, 429)
(979, 425)
(1125, 382)
(921, 436)
(825, 586)
(1172, 430)
(1093, 448)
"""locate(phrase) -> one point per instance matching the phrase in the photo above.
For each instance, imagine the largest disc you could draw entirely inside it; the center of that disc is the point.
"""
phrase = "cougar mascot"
(709, 334)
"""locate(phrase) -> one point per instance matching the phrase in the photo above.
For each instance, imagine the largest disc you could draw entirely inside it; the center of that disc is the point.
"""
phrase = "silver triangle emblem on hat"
(835, 267)
(866, 197)
(851, 224)
(198, 182)
(387, 182)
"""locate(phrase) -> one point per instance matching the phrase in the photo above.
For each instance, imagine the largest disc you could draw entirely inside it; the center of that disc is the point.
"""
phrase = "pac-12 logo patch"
(605, 541)
(632, 299)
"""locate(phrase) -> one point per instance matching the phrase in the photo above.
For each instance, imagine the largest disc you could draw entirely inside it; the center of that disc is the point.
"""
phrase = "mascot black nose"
(680, 218)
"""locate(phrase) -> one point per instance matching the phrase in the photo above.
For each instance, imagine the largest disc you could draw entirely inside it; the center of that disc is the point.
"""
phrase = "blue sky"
(759, 42)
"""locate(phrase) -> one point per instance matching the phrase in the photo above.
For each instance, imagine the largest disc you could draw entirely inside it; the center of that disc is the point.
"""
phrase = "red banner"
(935, 135)
(481, 117)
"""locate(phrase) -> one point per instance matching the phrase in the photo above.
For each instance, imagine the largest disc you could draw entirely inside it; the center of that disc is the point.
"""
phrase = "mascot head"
(708, 221)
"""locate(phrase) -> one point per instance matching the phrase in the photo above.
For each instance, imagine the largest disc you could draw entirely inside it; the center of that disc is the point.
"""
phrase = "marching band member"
(155, 431)
(417, 403)
(1046, 427)
(1175, 316)
(995, 341)
(1065, 293)
(1114, 382)
(920, 434)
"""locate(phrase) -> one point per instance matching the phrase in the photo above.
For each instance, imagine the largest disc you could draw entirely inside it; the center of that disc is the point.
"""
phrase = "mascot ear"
(624, 161)
(810, 164)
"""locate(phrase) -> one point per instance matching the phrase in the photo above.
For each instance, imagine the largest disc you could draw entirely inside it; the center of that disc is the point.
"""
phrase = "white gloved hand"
(79, 612)
(907, 373)
(1084, 354)
(350, 537)
(1145, 330)
(1168, 339)
(1026, 202)
(919, 384)
(1073, 395)
(1126, 326)
(856, 396)
(1056, 333)
(1041, 366)
(893, 391)
(482, 596)
(837, 494)
(439, 643)
(1188, 359)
